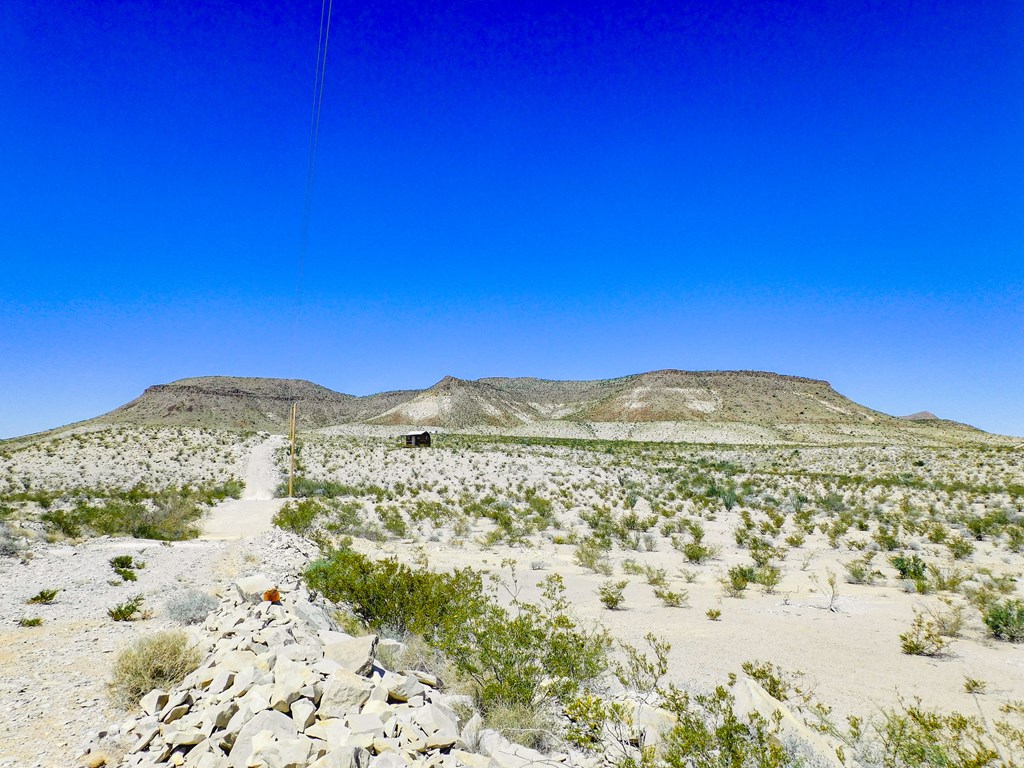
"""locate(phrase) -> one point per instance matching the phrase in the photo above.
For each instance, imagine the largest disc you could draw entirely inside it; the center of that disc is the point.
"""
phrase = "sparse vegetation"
(611, 594)
(190, 606)
(44, 597)
(159, 660)
(129, 610)
(1006, 620)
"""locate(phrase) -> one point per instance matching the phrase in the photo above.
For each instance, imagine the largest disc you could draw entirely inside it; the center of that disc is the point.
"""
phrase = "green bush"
(922, 639)
(709, 733)
(1006, 620)
(512, 656)
(611, 595)
(912, 567)
(391, 596)
(128, 610)
(592, 555)
(34, 621)
(671, 598)
(298, 516)
(122, 561)
(959, 547)
(44, 597)
(170, 514)
(912, 736)
(161, 660)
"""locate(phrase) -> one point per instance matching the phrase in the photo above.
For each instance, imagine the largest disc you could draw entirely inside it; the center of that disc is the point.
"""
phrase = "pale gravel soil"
(850, 657)
(53, 678)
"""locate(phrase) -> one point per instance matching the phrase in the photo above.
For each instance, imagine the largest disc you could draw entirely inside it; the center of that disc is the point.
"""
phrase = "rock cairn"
(281, 687)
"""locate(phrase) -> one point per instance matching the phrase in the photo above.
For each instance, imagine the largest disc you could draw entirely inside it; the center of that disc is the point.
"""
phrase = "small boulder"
(251, 588)
(343, 693)
(354, 654)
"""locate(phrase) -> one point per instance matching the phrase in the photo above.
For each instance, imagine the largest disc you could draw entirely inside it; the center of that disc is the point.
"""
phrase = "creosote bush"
(520, 655)
(298, 516)
(1006, 620)
(160, 660)
(923, 638)
(610, 593)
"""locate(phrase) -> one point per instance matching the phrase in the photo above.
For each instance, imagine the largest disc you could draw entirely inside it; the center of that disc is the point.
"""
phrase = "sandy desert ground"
(753, 532)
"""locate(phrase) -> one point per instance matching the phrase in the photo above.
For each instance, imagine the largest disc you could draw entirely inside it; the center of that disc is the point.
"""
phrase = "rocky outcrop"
(281, 687)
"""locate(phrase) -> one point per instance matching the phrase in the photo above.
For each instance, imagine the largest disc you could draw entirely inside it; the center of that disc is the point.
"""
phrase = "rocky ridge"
(281, 687)
(751, 398)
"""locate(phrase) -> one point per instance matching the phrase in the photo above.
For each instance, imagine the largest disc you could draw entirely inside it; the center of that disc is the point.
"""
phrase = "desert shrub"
(922, 639)
(122, 561)
(946, 580)
(912, 567)
(590, 554)
(656, 577)
(959, 547)
(973, 685)
(526, 724)
(770, 677)
(190, 606)
(63, 521)
(170, 514)
(513, 655)
(713, 613)
(160, 660)
(34, 621)
(639, 671)
(1006, 620)
(129, 610)
(948, 622)
(769, 577)
(737, 579)
(695, 551)
(709, 733)
(796, 539)
(859, 571)
(8, 546)
(912, 736)
(672, 598)
(298, 516)
(611, 593)
(388, 595)
(632, 567)
(44, 597)
(394, 523)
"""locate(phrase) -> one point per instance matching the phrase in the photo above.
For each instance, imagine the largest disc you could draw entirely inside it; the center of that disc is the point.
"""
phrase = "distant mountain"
(751, 397)
(248, 403)
(712, 396)
(921, 416)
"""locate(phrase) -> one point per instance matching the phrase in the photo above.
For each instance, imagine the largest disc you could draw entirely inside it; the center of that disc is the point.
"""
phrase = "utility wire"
(319, 78)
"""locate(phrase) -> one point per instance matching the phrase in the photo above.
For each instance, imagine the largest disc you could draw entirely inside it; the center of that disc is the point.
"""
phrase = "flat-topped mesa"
(666, 395)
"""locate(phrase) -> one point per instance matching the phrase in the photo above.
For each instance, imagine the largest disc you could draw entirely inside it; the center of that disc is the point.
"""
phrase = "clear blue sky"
(563, 191)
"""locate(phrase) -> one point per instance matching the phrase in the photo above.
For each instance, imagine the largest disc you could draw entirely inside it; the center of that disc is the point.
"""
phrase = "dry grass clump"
(160, 660)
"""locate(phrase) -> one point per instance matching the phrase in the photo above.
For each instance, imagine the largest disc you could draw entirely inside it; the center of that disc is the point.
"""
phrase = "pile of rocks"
(282, 688)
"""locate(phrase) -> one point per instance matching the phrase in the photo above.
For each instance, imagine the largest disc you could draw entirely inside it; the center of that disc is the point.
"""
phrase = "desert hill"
(921, 416)
(754, 398)
(248, 403)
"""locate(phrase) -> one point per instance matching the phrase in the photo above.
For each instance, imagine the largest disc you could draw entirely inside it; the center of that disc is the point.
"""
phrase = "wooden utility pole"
(291, 437)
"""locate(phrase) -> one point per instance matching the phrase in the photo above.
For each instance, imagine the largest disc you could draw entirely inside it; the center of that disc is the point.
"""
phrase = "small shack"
(417, 439)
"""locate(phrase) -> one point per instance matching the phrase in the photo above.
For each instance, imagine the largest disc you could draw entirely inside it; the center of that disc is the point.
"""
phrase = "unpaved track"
(250, 515)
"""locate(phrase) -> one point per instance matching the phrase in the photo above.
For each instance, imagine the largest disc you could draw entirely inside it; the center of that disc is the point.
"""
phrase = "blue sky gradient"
(563, 191)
